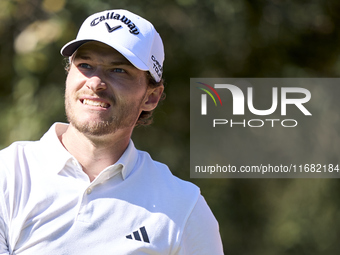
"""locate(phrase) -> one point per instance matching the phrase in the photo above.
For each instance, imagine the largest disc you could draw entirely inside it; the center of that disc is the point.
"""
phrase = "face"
(104, 91)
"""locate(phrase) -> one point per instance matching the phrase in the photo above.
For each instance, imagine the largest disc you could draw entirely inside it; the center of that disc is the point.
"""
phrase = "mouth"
(95, 103)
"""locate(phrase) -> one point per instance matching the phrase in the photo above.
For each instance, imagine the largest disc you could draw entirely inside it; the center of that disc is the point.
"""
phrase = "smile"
(95, 103)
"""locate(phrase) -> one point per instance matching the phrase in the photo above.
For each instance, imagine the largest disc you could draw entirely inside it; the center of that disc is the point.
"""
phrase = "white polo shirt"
(136, 206)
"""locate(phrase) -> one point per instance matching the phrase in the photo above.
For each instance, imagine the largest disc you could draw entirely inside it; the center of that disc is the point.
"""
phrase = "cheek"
(140, 88)
(68, 82)
(67, 89)
(130, 92)
(70, 89)
(73, 83)
(74, 77)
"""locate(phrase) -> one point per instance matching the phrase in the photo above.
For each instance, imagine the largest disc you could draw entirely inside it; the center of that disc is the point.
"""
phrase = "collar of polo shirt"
(55, 155)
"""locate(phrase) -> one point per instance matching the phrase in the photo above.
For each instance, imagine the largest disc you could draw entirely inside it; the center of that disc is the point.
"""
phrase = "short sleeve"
(201, 234)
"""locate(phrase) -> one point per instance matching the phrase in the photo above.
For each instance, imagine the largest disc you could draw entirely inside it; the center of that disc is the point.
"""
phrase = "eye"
(118, 70)
(84, 66)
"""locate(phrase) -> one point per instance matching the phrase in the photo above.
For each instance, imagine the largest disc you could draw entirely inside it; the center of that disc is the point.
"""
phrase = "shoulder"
(201, 234)
(14, 163)
(14, 175)
(12, 154)
(157, 185)
(160, 175)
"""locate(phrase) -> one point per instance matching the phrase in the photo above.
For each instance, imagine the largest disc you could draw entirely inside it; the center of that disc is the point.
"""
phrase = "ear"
(152, 98)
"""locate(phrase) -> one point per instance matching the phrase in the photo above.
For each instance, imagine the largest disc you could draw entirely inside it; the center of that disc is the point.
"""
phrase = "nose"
(95, 83)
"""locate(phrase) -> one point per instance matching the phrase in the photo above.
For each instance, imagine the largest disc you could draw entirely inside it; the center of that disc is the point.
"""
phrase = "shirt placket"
(86, 208)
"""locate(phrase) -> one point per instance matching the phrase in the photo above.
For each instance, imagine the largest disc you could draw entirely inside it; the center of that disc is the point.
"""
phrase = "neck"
(95, 153)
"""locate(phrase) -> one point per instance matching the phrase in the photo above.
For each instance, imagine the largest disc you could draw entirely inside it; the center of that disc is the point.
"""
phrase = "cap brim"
(72, 46)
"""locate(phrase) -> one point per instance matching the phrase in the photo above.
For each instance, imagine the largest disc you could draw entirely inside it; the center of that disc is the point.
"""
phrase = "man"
(84, 188)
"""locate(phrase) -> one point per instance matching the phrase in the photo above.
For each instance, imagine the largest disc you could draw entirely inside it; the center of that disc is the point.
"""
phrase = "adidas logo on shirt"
(138, 235)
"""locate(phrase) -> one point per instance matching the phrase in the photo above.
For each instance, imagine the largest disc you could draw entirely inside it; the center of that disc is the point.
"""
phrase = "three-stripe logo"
(138, 235)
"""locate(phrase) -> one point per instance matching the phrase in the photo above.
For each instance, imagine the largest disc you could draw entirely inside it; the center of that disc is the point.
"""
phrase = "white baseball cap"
(131, 35)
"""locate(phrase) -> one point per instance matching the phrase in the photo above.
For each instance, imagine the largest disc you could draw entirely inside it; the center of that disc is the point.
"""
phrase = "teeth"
(95, 103)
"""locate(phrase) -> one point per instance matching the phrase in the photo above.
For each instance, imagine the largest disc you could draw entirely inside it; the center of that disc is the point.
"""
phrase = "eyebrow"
(113, 63)
(121, 63)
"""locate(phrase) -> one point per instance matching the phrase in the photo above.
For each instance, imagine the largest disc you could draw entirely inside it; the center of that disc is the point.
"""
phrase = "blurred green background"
(220, 38)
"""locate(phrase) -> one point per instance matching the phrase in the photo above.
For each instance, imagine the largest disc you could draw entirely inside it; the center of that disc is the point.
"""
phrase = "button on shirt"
(136, 206)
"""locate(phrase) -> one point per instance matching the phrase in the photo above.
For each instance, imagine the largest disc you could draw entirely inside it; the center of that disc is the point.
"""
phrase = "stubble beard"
(125, 117)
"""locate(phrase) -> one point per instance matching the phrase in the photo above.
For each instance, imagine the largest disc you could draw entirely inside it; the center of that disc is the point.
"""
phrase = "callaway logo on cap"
(134, 37)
